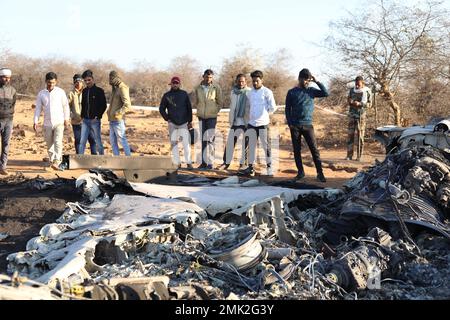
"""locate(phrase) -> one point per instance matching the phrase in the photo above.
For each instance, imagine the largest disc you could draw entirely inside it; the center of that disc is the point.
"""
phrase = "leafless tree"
(277, 75)
(245, 60)
(387, 41)
(279, 78)
(188, 69)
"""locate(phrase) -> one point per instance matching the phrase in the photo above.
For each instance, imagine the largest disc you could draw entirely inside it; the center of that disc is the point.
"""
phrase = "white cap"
(5, 72)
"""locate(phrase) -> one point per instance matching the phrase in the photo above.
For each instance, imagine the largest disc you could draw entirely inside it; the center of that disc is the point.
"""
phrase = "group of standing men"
(249, 117)
(249, 120)
(84, 108)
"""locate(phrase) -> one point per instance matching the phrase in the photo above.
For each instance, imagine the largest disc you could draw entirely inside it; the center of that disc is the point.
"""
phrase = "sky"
(126, 32)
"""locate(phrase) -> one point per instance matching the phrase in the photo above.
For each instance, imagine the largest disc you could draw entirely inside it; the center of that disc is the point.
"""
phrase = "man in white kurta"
(53, 101)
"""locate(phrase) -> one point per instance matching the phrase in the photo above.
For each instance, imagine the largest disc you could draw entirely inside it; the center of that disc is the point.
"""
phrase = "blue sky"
(129, 31)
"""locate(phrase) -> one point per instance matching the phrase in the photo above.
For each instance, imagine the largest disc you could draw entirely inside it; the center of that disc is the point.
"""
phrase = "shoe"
(206, 167)
(348, 158)
(4, 172)
(269, 172)
(202, 166)
(358, 159)
(250, 172)
(55, 165)
(189, 167)
(223, 166)
(321, 177)
(299, 176)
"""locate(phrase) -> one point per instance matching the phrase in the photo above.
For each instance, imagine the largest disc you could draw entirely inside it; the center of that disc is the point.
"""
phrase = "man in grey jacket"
(238, 119)
(7, 105)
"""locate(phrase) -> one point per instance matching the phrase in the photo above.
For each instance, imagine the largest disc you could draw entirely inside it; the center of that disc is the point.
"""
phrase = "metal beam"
(147, 175)
(121, 162)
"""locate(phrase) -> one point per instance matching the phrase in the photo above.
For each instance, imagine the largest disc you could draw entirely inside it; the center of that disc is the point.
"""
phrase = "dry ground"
(148, 135)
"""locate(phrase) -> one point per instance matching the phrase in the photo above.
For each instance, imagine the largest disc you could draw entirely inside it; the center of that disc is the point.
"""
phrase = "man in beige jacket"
(75, 114)
(119, 105)
(208, 101)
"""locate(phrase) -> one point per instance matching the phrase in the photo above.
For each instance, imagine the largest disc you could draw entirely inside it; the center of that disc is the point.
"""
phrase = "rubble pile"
(386, 237)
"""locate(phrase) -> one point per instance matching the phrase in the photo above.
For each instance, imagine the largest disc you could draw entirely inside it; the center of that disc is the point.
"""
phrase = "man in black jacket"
(176, 109)
(7, 104)
(93, 105)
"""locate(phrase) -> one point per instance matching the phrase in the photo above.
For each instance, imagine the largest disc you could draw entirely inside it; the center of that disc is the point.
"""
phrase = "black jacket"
(93, 103)
(176, 107)
(7, 102)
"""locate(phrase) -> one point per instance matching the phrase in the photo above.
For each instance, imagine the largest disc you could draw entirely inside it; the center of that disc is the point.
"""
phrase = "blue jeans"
(87, 126)
(77, 135)
(6, 128)
(117, 132)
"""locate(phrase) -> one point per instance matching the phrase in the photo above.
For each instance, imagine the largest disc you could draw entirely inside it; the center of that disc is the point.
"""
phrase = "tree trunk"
(375, 105)
(397, 112)
(389, 96)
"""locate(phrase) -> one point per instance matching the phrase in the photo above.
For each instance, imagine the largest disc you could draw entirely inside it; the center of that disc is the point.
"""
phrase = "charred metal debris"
(385, 237)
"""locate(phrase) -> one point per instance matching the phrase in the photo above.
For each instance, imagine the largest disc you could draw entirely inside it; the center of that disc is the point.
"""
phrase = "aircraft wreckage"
(236, 239)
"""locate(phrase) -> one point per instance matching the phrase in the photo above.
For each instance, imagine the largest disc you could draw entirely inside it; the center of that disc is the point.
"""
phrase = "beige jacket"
(75, 107)
(208, 106)
(120, 102)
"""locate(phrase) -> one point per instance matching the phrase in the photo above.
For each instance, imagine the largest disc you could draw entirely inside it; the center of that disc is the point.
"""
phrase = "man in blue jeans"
(93, 105)
(119, 105)
(299, 116)
(75, 114)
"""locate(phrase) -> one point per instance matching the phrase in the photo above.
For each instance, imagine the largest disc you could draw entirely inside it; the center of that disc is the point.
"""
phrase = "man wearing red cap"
(176, 109)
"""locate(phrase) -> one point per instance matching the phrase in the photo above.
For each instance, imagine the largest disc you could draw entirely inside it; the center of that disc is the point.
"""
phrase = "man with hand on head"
(299, 116)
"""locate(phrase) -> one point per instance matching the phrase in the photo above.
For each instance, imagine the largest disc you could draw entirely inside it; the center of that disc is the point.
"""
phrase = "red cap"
(175, 80)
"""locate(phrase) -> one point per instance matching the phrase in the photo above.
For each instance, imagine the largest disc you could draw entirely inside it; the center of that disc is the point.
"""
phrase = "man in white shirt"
(261, 104)
(53, 101)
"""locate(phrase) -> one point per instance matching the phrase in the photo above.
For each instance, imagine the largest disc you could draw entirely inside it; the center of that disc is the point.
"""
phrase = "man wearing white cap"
(7, 104)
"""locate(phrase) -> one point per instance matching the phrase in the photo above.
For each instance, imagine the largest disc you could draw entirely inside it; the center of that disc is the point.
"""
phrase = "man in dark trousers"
(299, 115)
(7, 105)
(93, 105)
(176, 109)
(208, 100)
